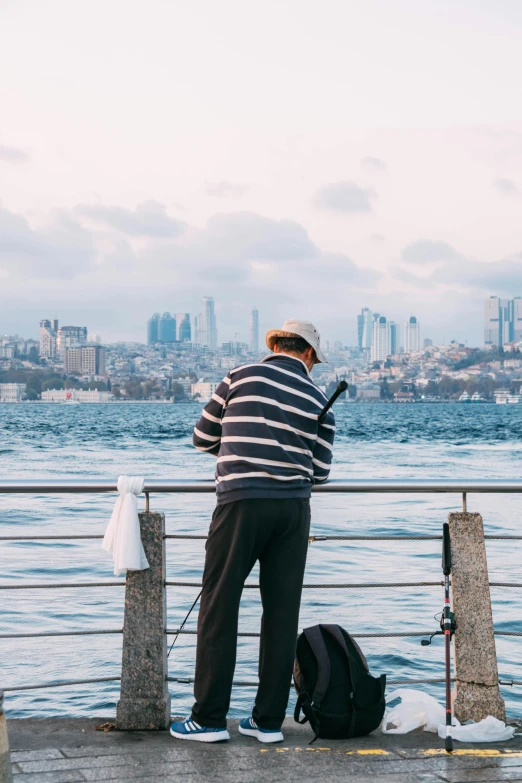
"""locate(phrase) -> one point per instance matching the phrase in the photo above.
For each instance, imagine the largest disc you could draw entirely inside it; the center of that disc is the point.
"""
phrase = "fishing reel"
(427, 642)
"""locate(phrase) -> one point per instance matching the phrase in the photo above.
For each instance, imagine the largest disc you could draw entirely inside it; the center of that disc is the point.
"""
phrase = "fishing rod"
(448, 626)
(447, 629)
(340, 389)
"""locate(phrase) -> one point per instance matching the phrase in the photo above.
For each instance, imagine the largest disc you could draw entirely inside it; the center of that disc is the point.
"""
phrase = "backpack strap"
(310, 707)
(315, 640)
(337, 634)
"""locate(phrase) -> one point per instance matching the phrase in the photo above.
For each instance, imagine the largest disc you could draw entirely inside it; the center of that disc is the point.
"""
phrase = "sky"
(307, 158)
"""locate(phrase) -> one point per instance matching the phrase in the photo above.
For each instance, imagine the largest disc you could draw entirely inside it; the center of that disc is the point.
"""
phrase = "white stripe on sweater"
(268, 401)
(324, 443)
(206, 437)
(261, 420)
(320, 464)
(262, 379)
(210, 417)
(260, 461)
(264, 441)
(260, 474)
(206, 448)
(280, 369)
(328, 426)
(218, 399)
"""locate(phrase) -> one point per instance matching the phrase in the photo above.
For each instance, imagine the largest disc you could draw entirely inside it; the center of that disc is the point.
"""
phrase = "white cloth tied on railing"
(123, 531)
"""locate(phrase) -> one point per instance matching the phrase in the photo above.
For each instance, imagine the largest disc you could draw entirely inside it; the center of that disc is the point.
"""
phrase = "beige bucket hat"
(294, 327)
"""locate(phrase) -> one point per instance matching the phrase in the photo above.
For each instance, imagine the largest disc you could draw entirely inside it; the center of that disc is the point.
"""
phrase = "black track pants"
(275, 532)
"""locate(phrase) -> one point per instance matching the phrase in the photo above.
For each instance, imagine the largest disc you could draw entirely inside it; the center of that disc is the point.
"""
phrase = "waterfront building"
(203, 390)
(254, 331)
(48, 333)
(153, 329)
(86, 359)
(412, 337)
(12, 392)
(69, 335)
(365, 328)
(368, 391)
(167, 329)
(76, 395)
(94, 338)
(381, 343)
(205, 325)
(183, 331)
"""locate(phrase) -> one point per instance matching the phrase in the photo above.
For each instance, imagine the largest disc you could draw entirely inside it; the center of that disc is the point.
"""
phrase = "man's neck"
(289, 356)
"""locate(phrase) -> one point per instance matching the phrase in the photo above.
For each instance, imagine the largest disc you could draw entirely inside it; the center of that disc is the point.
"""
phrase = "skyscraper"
(183, 331)
(70, 335)
(517, 319)
(502, 320)
(153, 329)
(48, 330)
(394, 338)
(167, 329)
(365, 328)
(205, 326)
(381, 346)
(412, 337)
(254, 332)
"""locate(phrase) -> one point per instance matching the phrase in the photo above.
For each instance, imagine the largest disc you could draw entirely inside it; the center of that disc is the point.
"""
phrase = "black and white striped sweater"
(262, 424)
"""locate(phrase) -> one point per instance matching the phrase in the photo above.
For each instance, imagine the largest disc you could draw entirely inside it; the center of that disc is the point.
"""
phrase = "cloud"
(247, 235)
(13, 154)
(429, 251)
(345, 196)
(378, 237)
(504, 277)
(224, 189)
(60, 249)
(148, 219)
(506, 186)
(240, 258)
(374, 164)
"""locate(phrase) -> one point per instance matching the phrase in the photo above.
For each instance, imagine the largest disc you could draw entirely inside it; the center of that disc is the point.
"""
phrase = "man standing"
(262, 424)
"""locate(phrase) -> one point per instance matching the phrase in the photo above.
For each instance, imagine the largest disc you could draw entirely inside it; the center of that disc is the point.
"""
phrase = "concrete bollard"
(476, 693)
(6, 772)
(144, 698)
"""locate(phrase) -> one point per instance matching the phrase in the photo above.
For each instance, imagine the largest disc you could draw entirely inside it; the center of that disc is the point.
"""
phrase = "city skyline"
(289, 198)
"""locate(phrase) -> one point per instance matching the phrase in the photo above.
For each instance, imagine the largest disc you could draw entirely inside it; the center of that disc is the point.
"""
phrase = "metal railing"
(94, 486)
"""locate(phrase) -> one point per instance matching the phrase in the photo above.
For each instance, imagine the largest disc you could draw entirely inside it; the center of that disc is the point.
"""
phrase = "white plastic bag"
(419, 710)
(489, 729)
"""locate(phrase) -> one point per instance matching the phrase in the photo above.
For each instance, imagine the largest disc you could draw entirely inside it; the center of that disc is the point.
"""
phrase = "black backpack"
(335, 689)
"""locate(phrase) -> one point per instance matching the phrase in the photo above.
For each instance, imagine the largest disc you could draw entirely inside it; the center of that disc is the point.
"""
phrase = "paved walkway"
(70, 751)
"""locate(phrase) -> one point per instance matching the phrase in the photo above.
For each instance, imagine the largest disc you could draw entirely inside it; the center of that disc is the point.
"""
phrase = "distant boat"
(464, 397)
(477, 398)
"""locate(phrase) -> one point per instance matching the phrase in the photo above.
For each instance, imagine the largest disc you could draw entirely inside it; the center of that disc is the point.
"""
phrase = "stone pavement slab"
(72, 751)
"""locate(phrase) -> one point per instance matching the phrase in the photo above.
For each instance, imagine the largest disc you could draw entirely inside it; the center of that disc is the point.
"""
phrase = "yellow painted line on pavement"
(484, 752)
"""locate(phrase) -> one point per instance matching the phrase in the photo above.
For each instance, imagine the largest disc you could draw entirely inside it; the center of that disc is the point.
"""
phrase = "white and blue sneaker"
(249, 727)
(190, 730)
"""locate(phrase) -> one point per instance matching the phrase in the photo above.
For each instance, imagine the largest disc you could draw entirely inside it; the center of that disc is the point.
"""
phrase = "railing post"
(476, 692)
(144, 699)
(6, 771)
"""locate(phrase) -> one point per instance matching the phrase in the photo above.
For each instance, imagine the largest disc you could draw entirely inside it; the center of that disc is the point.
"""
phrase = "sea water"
(373, 441)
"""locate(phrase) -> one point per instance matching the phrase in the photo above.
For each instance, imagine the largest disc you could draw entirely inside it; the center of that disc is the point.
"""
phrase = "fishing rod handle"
(340, 389)
(446, 550)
